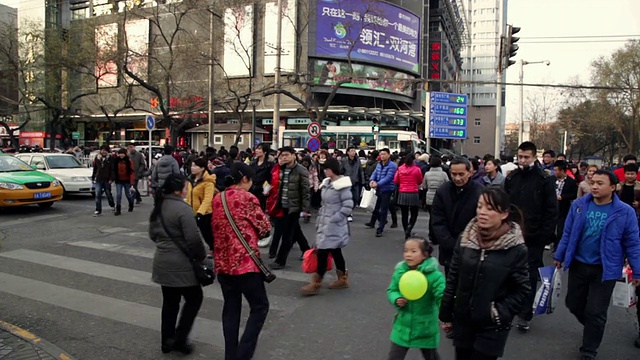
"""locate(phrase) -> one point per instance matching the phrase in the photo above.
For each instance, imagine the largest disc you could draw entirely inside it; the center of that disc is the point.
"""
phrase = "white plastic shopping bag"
(548, 295)
(369, 199)
(624, 293)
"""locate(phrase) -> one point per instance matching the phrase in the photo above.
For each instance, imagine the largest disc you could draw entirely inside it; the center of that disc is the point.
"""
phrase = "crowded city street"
(83, 283)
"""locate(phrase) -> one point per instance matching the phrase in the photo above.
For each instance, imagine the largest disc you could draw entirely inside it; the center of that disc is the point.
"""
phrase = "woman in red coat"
(238, 275)
(408, 178)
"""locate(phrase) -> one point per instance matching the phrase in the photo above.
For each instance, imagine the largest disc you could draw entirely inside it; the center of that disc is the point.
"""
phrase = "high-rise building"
(8, 72)
(487, 21)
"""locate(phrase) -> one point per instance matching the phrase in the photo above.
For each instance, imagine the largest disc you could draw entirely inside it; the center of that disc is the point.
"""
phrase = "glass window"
(476, 122)
(63, 162)
(476, 139)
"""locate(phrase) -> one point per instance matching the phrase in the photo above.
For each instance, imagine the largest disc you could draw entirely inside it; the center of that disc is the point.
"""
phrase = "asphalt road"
(83, 283)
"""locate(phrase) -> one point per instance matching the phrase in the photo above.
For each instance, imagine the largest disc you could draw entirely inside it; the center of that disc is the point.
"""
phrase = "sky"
(570, 59)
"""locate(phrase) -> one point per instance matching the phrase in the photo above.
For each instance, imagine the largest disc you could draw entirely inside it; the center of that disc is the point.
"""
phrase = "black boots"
(130, 206)
(118, 210)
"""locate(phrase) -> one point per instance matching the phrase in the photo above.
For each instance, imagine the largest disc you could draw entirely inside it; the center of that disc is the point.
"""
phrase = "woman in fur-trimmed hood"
(332, 227)
(488, 280)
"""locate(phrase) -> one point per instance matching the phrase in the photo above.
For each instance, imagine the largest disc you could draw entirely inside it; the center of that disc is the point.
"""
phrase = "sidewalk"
(17, 343)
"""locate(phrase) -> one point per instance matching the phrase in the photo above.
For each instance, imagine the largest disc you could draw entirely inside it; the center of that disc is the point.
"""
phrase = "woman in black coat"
(488, 280)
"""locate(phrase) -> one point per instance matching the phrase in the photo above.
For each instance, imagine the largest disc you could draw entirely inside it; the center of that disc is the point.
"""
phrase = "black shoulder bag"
(267, 275)
(203, 271)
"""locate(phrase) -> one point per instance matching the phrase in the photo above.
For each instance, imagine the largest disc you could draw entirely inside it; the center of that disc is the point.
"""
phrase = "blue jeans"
(99, 187)
(381, 209)
(127, 192)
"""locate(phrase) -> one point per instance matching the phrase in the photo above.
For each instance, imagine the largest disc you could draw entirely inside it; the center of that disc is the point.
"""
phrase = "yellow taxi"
(20, 184)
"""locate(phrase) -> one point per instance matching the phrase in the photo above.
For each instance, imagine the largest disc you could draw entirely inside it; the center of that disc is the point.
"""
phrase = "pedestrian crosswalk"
(121, 261)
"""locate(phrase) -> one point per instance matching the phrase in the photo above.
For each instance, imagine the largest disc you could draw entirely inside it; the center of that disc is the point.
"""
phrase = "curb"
(36, 341)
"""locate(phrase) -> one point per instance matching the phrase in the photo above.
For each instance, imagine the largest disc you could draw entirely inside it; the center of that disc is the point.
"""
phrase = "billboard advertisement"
(288, 45)
(107, 47)
(137, 37)
(369, 31)
(367, 77)
(238, 41)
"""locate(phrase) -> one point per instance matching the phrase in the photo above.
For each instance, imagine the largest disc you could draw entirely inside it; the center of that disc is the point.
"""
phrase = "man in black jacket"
(566, 192)
(102, 177)
(533, 192)
(454, 206)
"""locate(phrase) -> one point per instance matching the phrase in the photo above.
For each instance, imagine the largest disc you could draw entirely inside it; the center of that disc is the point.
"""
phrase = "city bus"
(342, 137)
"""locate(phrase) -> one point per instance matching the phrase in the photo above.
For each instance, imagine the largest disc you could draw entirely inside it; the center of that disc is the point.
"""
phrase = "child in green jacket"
(416, 322)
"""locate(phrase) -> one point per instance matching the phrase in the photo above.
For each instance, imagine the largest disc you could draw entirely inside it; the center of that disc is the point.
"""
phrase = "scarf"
(504, 237)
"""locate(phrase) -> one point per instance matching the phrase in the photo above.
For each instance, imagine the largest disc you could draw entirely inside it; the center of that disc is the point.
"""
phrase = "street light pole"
(211, 108)
(254, 104)
(521, 102)
(275, 142)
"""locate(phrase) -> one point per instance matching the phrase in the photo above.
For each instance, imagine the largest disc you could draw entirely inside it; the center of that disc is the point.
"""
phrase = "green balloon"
(413, 285)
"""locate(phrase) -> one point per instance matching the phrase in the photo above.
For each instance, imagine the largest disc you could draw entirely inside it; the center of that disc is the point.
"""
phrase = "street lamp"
(521, 80)
(254, 104)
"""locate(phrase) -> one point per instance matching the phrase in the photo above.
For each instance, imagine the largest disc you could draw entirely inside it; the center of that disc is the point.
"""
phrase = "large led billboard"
(369, 31)
(288, 46)
(368, 77)
(106, 42)
(238, 41)
(137, 46)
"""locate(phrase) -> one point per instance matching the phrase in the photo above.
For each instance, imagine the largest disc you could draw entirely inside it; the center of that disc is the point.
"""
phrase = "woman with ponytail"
(488, 280)
(172, 221)
(238, 274)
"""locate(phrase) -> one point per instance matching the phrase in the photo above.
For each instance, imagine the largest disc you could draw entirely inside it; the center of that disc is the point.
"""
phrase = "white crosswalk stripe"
(95, 264)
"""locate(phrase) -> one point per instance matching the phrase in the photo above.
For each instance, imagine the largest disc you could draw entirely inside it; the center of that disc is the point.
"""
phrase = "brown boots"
(341, 282)
(314, 286)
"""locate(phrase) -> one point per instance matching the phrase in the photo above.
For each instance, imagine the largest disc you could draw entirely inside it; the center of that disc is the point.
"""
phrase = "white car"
(75, 177)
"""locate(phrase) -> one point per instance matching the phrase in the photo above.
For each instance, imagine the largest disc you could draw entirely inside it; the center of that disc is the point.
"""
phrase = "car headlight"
(80, 179)
(56, 182)
(10, 186)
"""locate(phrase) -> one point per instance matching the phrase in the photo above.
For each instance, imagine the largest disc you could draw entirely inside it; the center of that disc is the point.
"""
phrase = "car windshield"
(63, 162)
(11, 164)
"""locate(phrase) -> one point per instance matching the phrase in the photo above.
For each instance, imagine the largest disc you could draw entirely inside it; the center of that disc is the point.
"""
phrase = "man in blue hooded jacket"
(599, 233)
(382, 181)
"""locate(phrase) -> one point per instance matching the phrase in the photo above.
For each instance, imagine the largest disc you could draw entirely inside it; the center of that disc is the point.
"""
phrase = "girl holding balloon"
(488, 280)
(416, 291)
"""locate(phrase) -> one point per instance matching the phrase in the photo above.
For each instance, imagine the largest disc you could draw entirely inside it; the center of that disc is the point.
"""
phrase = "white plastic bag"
(369, 200)
(624, 293)
(548, 294)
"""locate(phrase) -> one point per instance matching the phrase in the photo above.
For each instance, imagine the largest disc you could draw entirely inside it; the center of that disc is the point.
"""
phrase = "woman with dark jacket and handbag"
(172, 222)
(238, 273)
(488, 280)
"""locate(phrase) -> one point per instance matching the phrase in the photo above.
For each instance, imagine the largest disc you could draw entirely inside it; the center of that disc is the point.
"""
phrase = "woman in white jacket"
(332, 227)
(433, 179)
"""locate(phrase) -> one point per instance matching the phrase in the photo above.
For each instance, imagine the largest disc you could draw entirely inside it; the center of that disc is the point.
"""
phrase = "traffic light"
(512, 47)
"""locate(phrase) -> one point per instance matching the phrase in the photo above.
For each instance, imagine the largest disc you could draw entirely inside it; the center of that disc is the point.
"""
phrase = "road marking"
(112, 230)
(204, 330)
(131, 276)
(148, 253)
(30, 220)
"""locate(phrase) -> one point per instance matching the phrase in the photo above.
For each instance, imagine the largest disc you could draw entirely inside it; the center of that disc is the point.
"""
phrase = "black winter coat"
(451, 211)
(534, 193)
(485, 289)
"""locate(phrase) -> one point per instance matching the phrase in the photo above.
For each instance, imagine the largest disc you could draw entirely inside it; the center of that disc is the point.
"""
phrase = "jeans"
(398, 352)
(381, 210)
(471, 354)
(355, 194)
(278, 228)
(535, 261)
(408, 224)
(588, 299)
(323, 257)
(127, 193)
(204, 224)
(291, 233)
(138, 197)
(638, 309)
(171, 297)
(99, 187)
(233, 288)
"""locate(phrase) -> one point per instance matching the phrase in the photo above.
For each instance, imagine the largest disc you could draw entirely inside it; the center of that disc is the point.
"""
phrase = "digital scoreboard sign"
(447, 117)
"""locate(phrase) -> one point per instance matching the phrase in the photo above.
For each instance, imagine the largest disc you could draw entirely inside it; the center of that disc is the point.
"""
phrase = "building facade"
(487, 20)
